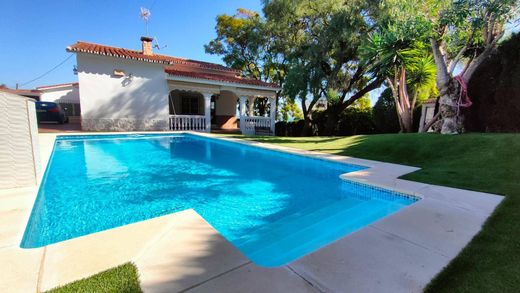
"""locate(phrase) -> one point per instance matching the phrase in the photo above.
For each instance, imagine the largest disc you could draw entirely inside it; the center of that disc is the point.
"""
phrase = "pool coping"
(401, 252)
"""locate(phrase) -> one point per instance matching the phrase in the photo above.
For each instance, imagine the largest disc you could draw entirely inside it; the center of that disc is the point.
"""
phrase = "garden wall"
(19, 149)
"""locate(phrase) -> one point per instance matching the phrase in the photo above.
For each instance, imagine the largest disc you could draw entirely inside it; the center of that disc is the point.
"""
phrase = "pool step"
(295, 221)
(331, 227)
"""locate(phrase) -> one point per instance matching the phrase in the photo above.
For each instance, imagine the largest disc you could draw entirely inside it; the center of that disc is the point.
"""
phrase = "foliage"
(467, 31)
(469, 26)
(384, 113)
(123, 278)
(352, 121)
(289, 111)
(397, 50)
(320, 40)
(245, 44)
(363, 103)
(495, 91)
(293, 128)
(483, 162)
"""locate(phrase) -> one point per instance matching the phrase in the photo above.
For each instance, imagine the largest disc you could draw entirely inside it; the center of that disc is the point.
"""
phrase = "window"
(189, 105)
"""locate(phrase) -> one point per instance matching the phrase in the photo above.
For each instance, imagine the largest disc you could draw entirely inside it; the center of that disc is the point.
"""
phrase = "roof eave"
(74, 50)
(220, 83)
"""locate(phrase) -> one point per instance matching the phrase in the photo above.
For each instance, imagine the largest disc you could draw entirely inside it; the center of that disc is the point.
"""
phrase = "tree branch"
(483, 56)
(431, 122)
(371, 86)
(453, 63)
(443, 76)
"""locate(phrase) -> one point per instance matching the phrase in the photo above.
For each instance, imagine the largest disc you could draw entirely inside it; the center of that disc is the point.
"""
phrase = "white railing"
(250, 122)
(188, 123)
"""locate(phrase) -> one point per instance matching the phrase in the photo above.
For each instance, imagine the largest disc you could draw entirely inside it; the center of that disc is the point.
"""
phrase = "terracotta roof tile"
(85, 47)
(22, 92)
(430, 101)
(57, 85)
(219, 77)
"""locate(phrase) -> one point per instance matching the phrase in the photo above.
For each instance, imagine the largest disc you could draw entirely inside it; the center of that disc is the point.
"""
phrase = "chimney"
(147, 45)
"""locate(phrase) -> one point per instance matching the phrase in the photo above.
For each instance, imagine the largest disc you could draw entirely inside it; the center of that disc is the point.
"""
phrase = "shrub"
(384, 113)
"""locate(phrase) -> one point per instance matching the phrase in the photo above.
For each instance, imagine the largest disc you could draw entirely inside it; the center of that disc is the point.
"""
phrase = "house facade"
(126, 90)
(66, 95)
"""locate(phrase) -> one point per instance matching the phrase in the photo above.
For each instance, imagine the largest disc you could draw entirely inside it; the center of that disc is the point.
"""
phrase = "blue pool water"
(274, 207)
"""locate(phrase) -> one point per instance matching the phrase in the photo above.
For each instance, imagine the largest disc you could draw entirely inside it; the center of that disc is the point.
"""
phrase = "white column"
(251, 108)
(272, 100)
(207, 110)
(243, 114)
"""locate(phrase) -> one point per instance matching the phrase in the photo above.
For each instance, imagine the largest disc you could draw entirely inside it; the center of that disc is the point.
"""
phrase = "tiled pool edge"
(326, 268)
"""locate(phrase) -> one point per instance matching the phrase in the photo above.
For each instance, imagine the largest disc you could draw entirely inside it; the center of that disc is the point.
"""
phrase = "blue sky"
(36, 33)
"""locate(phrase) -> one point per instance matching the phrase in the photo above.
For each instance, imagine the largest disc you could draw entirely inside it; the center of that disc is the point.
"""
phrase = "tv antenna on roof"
(157, 45)
(145, 15)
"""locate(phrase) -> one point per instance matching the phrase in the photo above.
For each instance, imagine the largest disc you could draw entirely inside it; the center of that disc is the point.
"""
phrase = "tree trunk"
(404, 100)
(307, 118)
(407, 121)
(307, 126)
(451, 118)
(332, 120)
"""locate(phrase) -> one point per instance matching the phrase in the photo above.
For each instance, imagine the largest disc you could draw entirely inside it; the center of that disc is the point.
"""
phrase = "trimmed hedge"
(495, 91)
(352, 121)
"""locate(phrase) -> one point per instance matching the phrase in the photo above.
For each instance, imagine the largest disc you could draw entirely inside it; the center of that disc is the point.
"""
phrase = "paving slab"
(188, 254)
(435, 225)
(15, 209)
(255, 279)
(370, 261)
(19, 269)
(484, 203)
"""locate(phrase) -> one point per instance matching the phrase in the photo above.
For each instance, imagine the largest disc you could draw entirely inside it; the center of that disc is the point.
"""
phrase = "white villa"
(127, 90)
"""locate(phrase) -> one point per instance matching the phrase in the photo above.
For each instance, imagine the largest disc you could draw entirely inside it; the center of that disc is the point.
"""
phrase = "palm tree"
(407, 68)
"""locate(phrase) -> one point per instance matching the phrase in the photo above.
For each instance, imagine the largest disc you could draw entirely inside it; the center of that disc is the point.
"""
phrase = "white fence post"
(188, 122)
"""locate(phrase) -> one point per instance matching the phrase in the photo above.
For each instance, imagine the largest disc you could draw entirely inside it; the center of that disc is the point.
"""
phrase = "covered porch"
(210, 106)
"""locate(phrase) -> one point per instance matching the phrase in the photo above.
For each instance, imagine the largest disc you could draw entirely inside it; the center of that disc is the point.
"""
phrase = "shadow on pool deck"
(194, 257)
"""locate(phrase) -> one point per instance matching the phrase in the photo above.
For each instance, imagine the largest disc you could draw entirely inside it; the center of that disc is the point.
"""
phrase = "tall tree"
(246, 44)
(320, 40)
(398, 51)
(465, 32)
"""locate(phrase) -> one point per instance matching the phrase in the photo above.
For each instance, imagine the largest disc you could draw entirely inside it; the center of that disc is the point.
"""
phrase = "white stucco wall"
(137, 101)
(64, 94)
(19, 148)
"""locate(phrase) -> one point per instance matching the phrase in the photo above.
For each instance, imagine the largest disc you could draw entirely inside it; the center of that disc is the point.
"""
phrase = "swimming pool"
(273, 206)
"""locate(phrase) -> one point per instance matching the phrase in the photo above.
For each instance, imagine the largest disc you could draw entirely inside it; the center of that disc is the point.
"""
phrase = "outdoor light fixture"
(118, 73)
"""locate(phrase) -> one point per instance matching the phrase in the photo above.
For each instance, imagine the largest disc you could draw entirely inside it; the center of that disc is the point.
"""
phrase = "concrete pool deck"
(181, 252)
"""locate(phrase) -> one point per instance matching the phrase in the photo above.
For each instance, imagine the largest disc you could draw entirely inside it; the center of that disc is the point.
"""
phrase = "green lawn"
(483, 162)
(121, 279)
